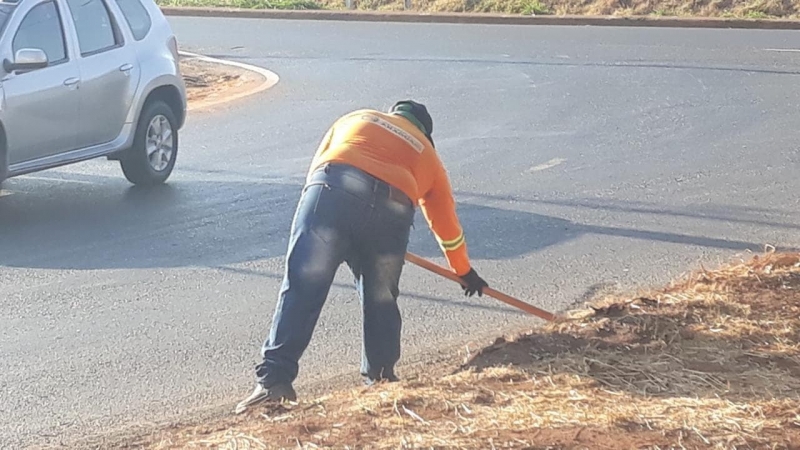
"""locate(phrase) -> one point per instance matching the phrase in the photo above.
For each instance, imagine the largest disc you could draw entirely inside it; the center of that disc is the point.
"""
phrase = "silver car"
(82, 79)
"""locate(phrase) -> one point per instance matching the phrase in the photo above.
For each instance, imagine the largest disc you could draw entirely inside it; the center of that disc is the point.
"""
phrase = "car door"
(42, 106)
(109, 72)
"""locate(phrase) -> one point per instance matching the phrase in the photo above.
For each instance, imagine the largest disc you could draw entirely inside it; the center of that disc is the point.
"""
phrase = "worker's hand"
(473, 284)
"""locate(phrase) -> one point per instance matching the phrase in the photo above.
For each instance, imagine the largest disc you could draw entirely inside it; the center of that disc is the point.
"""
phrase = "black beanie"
(419, 111)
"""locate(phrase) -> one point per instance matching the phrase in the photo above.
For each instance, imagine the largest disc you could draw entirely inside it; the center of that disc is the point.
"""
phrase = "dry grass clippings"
(710, 361)
(209, 82)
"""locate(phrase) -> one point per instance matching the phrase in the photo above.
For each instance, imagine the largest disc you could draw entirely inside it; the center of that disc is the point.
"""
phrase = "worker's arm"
(439, 208)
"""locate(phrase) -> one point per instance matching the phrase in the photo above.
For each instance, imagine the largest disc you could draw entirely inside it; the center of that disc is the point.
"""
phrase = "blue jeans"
(344, 215)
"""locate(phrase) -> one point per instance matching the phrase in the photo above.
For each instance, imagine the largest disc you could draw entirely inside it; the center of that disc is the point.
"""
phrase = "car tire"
(152, 157)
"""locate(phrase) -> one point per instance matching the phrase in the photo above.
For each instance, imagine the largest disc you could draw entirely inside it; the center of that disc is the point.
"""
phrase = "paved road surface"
(582, 158)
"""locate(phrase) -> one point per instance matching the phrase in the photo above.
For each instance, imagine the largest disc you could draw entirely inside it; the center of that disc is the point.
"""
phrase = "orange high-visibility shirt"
(392, 149)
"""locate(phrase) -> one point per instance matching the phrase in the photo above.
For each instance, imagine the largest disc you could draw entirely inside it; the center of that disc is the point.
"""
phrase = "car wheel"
(155, 146)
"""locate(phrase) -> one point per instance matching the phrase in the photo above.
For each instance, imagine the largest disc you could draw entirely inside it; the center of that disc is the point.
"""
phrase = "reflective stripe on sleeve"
(453, 244)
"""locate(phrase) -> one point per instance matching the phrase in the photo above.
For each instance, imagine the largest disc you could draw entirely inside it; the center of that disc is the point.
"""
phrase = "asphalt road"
(583, 159)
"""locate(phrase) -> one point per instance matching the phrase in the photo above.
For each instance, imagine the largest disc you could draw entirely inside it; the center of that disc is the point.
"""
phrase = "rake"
(439, 270)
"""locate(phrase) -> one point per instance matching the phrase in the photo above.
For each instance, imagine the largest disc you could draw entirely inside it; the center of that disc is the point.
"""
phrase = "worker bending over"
(357, 206)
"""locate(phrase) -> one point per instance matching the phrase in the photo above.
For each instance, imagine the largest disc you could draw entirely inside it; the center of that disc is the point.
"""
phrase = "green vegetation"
(534, 7)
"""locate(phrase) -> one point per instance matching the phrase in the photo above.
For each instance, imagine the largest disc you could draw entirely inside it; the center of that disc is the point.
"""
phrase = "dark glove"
(473, 284)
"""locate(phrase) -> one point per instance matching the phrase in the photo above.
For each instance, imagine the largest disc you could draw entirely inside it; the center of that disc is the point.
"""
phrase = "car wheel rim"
(160, 143)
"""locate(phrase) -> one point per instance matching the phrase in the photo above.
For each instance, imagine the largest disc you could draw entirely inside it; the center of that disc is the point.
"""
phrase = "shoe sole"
(245, 405)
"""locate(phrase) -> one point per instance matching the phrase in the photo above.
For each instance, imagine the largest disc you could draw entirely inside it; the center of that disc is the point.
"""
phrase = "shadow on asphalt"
(92, 222)
(496, 234)
(404, 294)
(752, 215)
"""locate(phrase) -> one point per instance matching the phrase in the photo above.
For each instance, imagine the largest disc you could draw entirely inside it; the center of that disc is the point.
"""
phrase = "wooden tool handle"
(425, 264)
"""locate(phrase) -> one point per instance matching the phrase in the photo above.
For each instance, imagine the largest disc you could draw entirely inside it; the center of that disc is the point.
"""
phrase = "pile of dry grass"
(206, 80)
(708, 362)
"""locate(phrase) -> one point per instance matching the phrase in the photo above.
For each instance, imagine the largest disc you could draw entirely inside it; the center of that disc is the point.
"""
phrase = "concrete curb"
(270, 79)
(486, 19)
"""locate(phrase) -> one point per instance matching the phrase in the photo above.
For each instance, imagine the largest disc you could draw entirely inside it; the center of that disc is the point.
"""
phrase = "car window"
(41, 28)
(93, 25)
(137, 17)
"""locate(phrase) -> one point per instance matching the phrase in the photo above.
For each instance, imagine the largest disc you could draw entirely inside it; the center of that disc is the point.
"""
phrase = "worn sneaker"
(276, 393)
(371, 381)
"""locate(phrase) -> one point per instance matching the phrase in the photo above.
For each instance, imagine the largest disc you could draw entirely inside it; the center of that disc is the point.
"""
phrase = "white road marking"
(548, 165)
(783, 50)
(270, 78)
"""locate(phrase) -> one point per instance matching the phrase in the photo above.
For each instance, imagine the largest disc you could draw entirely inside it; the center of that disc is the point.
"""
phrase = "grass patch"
(744, 9)
(711, 361)
(535, 8)
(245, 4)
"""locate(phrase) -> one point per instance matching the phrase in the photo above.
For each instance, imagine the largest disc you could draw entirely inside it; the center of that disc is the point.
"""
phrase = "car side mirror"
(26, 59)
